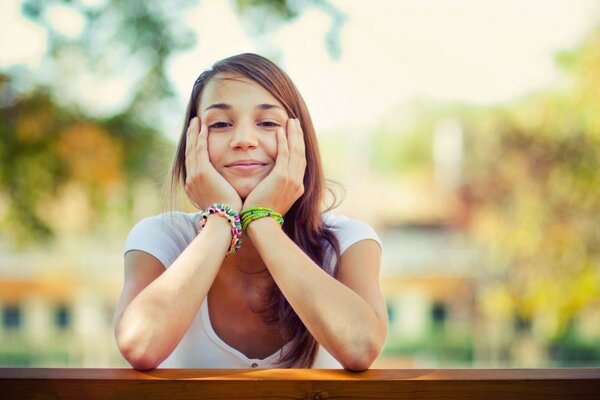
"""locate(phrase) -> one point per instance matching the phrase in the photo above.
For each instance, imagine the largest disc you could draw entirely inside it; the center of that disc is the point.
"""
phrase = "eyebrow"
(225, 106)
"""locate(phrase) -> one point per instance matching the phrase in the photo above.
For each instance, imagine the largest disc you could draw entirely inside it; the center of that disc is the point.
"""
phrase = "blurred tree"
(114, 39)
(534, 175)
(530, 194)
(262, 16)
(46, 147)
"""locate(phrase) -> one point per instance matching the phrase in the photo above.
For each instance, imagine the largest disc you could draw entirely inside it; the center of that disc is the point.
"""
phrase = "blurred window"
(62, 316)
(439, 313)
(11, 316)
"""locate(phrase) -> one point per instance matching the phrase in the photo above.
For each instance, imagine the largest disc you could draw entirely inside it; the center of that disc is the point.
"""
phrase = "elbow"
(359, 361)
(142, 364)
(361, 356)
(141, 361)
(138, 355)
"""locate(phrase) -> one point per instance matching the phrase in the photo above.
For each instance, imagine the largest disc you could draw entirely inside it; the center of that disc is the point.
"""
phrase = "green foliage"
(531, 175)
(534, 174)
(570, 350)
(46, 147)
(283, 9)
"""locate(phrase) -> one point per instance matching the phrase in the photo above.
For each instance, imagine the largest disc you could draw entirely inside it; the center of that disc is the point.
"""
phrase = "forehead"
(236, 90)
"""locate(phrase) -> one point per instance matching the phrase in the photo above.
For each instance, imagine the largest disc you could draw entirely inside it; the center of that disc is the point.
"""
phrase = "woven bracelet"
(232, 217)
(254, 213)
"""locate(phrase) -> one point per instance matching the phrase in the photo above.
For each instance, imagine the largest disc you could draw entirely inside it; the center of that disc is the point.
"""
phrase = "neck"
(246, 262)
(242, 277)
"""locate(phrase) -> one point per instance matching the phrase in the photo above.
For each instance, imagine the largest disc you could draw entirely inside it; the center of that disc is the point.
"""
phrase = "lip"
(246, 164)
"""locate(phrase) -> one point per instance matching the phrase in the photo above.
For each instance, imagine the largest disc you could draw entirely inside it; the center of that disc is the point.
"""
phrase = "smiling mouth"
(246, 164)
(246, 167)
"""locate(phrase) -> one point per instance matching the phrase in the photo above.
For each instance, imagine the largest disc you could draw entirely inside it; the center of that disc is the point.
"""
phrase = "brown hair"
(303, 222)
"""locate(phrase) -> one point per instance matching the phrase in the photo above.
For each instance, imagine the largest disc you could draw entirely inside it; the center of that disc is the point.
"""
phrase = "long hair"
(303, 222)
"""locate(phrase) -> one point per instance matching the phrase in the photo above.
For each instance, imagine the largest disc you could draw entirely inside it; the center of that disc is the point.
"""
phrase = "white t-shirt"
(166, 236)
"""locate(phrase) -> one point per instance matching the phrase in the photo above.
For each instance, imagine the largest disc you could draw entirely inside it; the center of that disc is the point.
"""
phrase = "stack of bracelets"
(237, 225)
(233, 219)
(254, 213)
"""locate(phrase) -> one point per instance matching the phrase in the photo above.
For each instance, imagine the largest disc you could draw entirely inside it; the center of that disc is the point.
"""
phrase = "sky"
(476, 51)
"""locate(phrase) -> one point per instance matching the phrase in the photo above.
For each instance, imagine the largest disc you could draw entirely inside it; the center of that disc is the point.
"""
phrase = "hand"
(285, 183)
(204, 185)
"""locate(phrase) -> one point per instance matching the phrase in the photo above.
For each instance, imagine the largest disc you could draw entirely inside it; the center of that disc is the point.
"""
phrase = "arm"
(347, 316)
(157, 305)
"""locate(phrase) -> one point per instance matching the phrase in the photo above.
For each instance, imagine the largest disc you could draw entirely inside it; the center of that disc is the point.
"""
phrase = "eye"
(268, 124)
(219, 125)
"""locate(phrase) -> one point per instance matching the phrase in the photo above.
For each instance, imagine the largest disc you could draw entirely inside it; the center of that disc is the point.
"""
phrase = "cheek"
(270, 146)
(215, 151)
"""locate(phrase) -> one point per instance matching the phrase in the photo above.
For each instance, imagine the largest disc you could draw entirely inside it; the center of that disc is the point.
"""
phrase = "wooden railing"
(464, 384)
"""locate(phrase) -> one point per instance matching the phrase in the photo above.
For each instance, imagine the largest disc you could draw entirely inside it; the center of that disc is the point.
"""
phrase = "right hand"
(204, 185)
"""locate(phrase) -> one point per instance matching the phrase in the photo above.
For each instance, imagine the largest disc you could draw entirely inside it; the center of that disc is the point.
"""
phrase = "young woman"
(285, 285)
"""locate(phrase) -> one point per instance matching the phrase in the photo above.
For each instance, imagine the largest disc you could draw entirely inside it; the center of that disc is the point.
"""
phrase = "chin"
(243, 190)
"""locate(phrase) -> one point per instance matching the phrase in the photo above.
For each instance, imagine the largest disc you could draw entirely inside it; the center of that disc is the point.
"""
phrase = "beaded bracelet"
(232, 217)
(254, 213)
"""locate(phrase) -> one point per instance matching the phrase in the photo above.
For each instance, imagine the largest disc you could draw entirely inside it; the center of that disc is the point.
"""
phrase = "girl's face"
(242, 118)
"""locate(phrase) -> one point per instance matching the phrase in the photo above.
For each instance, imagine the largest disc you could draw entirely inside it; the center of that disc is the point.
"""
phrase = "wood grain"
(572, 384)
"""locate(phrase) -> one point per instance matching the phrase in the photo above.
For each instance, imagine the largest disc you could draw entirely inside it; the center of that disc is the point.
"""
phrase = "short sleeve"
(163, 236)
(349, 231)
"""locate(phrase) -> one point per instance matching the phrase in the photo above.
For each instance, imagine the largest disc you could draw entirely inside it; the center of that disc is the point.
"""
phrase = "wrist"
(228, 215)
(217, 222)
(253, 215)
(262, 226)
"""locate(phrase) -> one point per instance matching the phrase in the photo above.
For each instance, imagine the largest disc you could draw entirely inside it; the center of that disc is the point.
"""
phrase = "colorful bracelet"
(254, 213)
(232, 217)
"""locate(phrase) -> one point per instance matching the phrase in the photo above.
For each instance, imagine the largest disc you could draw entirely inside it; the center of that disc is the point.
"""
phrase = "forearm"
(157, 318)
(339, 319)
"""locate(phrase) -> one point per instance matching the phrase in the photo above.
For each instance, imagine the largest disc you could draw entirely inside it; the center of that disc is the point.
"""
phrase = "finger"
(292, 138)
(283, 153)
(297, 161)
(301, 144)
(190, 145)
(291, 134)
(202, 145)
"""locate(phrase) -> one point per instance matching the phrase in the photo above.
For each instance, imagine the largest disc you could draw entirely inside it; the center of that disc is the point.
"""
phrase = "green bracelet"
(254, 213)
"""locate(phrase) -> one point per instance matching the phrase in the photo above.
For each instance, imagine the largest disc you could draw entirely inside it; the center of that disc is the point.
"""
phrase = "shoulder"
(349, 231)
(169, 222)
(164, 236)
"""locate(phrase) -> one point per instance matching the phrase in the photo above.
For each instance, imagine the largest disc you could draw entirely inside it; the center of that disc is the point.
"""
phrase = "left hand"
(285, 183)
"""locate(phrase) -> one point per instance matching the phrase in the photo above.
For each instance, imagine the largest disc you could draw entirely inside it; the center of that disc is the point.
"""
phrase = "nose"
(244, 137)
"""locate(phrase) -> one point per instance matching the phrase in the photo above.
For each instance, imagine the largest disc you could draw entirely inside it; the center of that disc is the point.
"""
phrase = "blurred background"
(466, 132)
